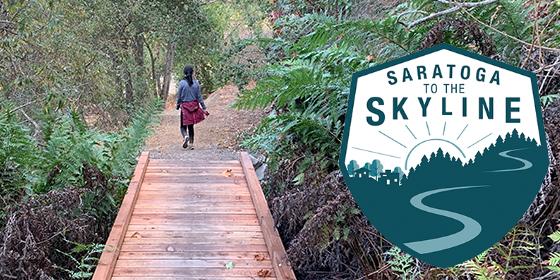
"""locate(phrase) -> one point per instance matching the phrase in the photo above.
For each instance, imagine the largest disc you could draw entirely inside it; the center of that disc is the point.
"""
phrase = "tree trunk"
(138, 53)
(168, 67)
(129, 94)
(117, 73)
(153, 62)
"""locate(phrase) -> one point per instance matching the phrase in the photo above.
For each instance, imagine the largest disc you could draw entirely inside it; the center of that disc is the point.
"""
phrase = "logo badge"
(444, 150)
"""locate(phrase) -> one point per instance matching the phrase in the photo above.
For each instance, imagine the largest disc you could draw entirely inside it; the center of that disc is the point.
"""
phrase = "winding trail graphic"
(527, 164)
(471, 228)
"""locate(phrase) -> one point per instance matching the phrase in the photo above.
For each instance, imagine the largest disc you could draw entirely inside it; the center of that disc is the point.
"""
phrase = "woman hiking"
(189, 100)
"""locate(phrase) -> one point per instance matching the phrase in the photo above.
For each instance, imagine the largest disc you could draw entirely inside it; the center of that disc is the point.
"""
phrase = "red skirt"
(191, 113)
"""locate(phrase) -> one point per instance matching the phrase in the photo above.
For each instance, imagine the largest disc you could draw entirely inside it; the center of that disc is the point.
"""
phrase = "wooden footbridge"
(207, 220)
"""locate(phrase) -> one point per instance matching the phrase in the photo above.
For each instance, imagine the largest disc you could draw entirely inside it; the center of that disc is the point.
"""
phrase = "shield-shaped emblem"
(444, 150)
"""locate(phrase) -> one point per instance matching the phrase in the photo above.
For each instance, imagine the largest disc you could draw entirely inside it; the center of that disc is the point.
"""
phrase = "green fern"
(554, 258)
(547, 99)
(86, 262)
(18, 155)
(478, 267)
(402, 264)
(555, 236)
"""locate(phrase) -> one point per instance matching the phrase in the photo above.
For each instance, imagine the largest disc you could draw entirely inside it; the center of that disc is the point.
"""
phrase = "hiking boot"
(186, 142)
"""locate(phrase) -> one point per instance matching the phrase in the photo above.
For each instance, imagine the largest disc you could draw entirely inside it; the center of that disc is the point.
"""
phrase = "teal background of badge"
(470, 191)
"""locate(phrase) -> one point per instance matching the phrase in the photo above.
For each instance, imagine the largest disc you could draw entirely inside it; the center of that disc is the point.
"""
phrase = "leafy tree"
(367, 166)
(352, 167)
(399, 171)
(376, 168)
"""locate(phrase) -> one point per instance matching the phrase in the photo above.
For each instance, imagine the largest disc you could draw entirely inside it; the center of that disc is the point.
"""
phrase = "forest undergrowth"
(60, 194)
(316, 48)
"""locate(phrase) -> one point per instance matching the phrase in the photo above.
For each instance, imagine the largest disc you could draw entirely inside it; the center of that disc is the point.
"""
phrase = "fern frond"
(555, 236)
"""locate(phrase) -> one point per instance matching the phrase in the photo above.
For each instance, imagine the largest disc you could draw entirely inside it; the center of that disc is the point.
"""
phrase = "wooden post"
(271, 237)
(109, 257)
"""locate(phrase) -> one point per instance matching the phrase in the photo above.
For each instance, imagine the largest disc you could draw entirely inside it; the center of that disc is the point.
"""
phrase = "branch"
(6, 27)
(468, 4)
(37, 129)
(24, 105)
(450, 10)
(208, 3)
(408, 12)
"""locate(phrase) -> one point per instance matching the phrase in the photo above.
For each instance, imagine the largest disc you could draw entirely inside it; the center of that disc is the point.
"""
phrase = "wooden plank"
(193, 203)
(275, 247)
(187, 162)
(195, 171)
(206, 227)
(186, 165)
(210, 190)
(251, 248)
(222, 222)
(187, 198)
(175, 188)
(239, 185)
(181, 193)
(196, 180)
(187, 211)
(183, 175)
(193, 255)
(192, 234)
(198, 216)
(186, 263)
(200, 207)
(195, 195)
(195, 166)
(208, 272)
(108, 259)
(192, 278)
(200, 240)
(187, 185)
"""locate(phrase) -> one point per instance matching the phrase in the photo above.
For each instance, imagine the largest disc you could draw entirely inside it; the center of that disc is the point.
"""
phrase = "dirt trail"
(215, 137)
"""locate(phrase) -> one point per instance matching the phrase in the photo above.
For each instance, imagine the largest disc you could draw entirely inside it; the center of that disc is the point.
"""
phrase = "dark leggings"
(184, 129)
(190, 128)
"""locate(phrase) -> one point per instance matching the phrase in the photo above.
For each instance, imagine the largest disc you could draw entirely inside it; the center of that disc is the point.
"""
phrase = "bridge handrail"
(276, 250)
(109, 257)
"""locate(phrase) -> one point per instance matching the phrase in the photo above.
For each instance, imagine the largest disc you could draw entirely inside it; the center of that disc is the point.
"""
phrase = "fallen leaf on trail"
(170, 249)
(220, 140)
(259, 258)
(227, 173)
(136, 235)
(230, 265)
(264, 273)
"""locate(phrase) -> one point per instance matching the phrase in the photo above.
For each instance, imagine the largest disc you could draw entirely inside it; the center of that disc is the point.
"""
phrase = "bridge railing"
(109, 257)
